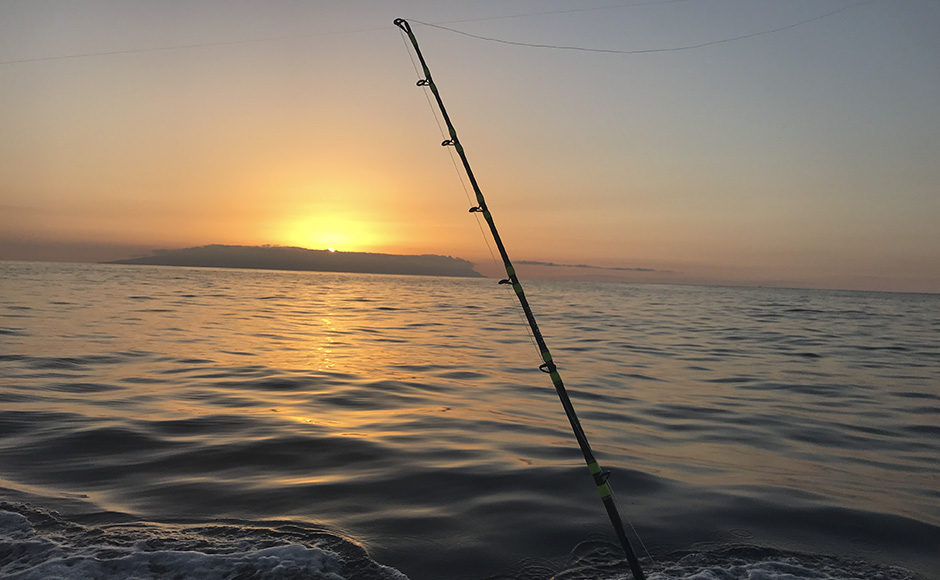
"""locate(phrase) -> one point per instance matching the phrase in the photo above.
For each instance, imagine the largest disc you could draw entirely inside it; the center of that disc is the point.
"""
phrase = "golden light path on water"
(376, 404)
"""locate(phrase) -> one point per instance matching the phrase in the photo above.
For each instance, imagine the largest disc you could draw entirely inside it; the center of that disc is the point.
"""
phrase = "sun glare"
(331, 233)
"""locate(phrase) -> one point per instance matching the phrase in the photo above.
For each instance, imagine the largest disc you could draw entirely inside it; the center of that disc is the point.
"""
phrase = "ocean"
(163, 422)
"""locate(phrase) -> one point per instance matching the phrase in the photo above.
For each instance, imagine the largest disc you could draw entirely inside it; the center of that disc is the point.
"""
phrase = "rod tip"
(403, 24)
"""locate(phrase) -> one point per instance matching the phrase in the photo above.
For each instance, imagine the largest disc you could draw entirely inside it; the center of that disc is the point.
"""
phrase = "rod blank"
(600, 476)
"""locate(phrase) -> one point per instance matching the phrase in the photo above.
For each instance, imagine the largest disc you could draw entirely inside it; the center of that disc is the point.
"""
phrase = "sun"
(330, 232)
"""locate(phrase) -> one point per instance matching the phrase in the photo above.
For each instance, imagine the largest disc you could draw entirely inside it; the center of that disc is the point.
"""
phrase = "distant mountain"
(290, 258)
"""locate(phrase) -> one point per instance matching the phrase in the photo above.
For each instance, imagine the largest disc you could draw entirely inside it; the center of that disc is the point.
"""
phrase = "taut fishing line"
(566, 11)
(648, 50)
(440, 25)
(463, 184)
(636, 534)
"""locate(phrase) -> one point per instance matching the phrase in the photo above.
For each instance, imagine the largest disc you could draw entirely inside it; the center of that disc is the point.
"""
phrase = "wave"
(42, 545)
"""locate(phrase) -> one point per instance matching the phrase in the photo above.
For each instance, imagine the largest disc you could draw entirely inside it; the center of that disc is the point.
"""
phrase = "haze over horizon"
(785, 144)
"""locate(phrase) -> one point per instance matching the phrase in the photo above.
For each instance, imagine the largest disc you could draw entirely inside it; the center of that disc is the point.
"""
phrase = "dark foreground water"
(164, 422)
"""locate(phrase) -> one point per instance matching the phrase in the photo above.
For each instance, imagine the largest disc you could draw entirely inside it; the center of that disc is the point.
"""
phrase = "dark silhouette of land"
(291, 258)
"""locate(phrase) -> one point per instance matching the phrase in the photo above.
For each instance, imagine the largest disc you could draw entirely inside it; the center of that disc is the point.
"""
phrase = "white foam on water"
(28, 554)
(274, 563)
(783, 567)
(46, 547)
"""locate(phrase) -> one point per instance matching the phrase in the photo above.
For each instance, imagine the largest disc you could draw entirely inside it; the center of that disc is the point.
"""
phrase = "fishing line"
(439, 25)
(306, 35)
(188, 46)
(568, 11)
(636, 534)
(650, 50)
(463, 184)
(440, 128)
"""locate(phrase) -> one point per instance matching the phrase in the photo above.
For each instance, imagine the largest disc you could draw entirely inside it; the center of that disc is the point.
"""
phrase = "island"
(293, 258)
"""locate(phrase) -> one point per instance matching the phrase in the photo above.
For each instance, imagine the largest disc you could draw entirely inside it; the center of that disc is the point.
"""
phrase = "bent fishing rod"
(548, 366)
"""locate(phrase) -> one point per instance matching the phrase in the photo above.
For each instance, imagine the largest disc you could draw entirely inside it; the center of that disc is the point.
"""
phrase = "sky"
(761, 142)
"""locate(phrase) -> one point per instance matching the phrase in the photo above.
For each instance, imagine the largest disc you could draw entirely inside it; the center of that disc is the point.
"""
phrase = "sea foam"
(73, 552)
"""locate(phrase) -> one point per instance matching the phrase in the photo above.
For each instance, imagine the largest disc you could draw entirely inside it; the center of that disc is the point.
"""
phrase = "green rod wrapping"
(600, 478)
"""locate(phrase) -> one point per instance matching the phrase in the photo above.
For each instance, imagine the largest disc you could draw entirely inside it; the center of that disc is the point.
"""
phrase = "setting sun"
(331, 232)
(253, 289)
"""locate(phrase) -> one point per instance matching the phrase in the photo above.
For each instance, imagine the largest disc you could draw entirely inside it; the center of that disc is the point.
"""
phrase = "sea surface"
(163, 422)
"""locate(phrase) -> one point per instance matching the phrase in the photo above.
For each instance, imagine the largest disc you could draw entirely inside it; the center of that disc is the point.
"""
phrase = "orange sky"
(804, 157)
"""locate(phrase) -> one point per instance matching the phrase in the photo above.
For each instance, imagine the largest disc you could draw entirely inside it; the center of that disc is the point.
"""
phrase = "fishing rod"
(548, 366)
